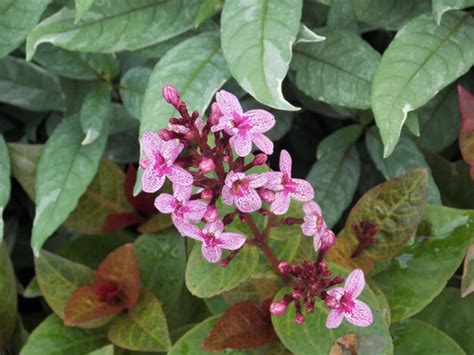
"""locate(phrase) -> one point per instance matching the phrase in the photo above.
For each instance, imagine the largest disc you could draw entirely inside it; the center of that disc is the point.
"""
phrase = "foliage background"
(364, 91)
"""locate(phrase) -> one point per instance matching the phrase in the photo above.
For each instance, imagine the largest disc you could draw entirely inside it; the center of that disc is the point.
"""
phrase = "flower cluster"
(211, 163)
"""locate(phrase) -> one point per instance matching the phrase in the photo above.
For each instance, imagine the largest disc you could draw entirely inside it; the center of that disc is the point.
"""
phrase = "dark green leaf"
(132, 89)
(341, 139)
(341, 15)
(24, 158)
(442, 6)
(81, 8)
(8, 297)
(208, 9)
(95, 112)
(4, 180)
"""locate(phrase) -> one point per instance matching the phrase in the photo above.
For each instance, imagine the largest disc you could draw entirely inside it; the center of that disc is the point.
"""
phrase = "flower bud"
(211, 214)
(166, 134)
(207, 194)
(284, 267)
(296, 294)
(309, 307)
(279, 308)
(259, 159)
(171, 95)
(190, 136)
(266, 195)
(328, 239)
(206, 165)
(331, 301)
(226, 158)
(215, 114)
(299, 318)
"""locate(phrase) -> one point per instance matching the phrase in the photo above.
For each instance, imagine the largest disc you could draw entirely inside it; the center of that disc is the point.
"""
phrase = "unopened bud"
(166, 134)
(226, 158)
(190, 136)
(296, 294)
(215, 114)
(206, 165)
(331, 301)
(171, 95)
(259, 159)
(299, 318)
(279, 308)
(211, 214)
(309, 307)
(284, 267)
(328, 238)
(207, 194)
(266, 195)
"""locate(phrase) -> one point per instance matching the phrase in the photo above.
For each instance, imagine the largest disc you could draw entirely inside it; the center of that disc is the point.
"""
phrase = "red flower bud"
(260, 159)
(279, 308)
(284, 267)
(299, 318)
(266, 195)
(166, 134)
(207, 194)
(171, 95)
(206, 165)
(215, 114)
(211, 214)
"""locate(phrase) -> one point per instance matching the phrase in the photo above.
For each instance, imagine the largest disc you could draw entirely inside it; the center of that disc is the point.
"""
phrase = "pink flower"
(181, 208)
(343, 302)
(159, 163)
(214, 239)
(244, 127)
(324, 241)
(240, 189)
(286, 186)
(314, 224)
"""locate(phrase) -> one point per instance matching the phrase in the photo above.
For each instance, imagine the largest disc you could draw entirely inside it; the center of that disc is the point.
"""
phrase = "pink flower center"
(288, 184)
(240, 187)
(241, 122)
(211, 240)
(346, 302)
(180, 209)
(160, 165)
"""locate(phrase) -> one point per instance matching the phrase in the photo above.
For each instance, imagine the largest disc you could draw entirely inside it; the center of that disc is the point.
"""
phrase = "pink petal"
(228, 103)
(261, 120)
(355, 283)
(151, 143)
(197, 210)
(151, 181)
(170, 150)
(334, 319)
(274, 179)
(227, 195)
(312, 208)
(181, 225)
(285, 162)
(224, 122)
(182, 192)
(165, 203)
(249, 202)
(241, 143)
(214, 228)
(199, 124)
(190, 230)
(263, 143)
(304, 191)
(317, 242)
(281, 204)
(336, 292)
(211, 254)
(179, 176)
(257, 180)
(231, 241)
(360, 315)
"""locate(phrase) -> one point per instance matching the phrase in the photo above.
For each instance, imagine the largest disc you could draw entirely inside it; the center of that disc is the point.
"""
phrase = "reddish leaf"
(245, 325)
(118, 221)
(143, 202)
(466, 135)
(121, 268)
(84, 306)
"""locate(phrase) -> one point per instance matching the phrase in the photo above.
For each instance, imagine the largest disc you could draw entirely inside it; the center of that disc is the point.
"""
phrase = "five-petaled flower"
(243, 127)
(343, 303)
(286, 186)
(181, 208)
(159, 163)
(239, 189)
(214, 239)
(314, 224)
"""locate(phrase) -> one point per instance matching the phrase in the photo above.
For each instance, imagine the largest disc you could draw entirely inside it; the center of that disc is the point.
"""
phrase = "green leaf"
(94, 112)
(338, 70)
(32, 290)
(103, 197)
(305, 35)
(65, 169)
(17, 19)
(437, 251)
(440, 121)
(8, 297)
(467, 282)
(208, 9)
(204, 279)
(192, 340)
(24, 158)
(389, 14)
(132, 89)
(143, 328)
(114, 25)
(341, 15)
(412, 337)
(334, 178)
(312, 337)
(5, 186)
(52, 337)
(413, 123)
(452, 314)
(256, 40)
(75, 65)
(342, 139)
(439, 7)
(58, 278)
(419, 62)
(404, 158)
(162, 260)
(81, 8)
(106, 350)
(28, 86)
(196, 67)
